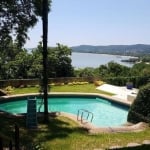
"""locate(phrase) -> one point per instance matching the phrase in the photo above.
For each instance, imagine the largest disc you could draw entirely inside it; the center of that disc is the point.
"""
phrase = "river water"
(82, 60)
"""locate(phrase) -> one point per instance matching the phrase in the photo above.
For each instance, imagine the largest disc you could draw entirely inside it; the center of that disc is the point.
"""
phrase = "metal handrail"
(42, 100)
(82, 112)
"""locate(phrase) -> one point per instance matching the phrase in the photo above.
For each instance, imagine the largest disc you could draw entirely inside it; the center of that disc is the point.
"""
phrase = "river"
(82, 60)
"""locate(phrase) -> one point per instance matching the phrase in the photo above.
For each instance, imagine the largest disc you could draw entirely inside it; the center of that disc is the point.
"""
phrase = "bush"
(140, 109)
(77, 83)
(98, 83)
(9, 89)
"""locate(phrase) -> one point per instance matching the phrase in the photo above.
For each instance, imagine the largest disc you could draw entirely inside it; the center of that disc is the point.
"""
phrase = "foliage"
(15, 63)
(86, 72)
(145, 58)
(59, 61)
(98, 83)
(17, 16)
(6, 57)
(117, 74)
(77, 83)
(141, 69)
(140, 74)
(64, 133)
(18, 63)
(35, 70)
(140, 109)
(113, 69)
(9, 89)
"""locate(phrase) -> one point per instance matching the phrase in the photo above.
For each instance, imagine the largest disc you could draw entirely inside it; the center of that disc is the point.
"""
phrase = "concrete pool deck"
(121, 93)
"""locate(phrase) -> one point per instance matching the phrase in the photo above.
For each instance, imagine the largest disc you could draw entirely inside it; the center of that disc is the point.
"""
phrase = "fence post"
(1, 144)
(10, 145)
(16, 137)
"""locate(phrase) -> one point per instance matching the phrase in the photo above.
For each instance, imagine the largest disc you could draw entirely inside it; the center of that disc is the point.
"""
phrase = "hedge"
(140, 109)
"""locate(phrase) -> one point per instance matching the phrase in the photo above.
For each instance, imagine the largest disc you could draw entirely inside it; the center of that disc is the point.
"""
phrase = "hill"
(135, 50)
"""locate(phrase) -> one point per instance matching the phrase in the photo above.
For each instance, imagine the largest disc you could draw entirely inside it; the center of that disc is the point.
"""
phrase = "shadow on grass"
(7, 127)
(56, 128)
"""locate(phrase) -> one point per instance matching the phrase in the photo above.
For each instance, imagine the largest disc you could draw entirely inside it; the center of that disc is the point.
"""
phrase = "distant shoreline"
(124, 50)
(117, 55)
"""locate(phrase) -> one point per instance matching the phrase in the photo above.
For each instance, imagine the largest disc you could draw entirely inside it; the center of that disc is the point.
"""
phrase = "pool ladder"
(84, 115)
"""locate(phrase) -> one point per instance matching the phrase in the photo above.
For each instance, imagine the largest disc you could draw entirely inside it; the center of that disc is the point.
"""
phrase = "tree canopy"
(19, 63)
(16, 17)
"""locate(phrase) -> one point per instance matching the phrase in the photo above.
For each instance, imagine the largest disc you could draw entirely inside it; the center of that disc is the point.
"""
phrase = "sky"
(95, 22)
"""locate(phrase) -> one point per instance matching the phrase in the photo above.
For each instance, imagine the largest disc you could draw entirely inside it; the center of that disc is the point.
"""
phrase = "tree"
(116, 69)
(8, 59)
(113, 69)
(87, 72)
(103, 71)
(45, 78)
(16, 17)
(59, 61)
(20, 66)
(36, 67)
(142, 73)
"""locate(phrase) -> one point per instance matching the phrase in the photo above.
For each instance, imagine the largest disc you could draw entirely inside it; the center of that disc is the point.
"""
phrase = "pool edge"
(92, 129)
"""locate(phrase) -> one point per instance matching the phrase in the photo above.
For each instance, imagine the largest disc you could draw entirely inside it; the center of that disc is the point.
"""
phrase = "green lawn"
(62, 133)
(87, 88)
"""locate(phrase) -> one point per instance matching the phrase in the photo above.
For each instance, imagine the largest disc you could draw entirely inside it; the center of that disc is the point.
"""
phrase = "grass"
(62, 133)
(87, 88)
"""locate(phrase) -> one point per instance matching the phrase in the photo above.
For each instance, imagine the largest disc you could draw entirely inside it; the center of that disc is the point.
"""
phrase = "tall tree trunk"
(45, 78)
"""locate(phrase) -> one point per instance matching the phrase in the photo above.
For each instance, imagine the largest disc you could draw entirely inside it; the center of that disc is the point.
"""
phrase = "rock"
(146, 142)
(133, 144)
(115, 147)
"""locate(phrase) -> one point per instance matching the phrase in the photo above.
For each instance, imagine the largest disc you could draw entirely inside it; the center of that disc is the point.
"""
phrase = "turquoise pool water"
(105, 113)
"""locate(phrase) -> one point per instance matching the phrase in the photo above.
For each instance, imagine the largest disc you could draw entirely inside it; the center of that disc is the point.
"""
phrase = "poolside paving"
(121, 93)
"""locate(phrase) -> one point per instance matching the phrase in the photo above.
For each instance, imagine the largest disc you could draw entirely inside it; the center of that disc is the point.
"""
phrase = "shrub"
(9, 89)
(70, 83)
(98, 83)
(59, 84)
(51, 84)
(140, 109)
(77, 83)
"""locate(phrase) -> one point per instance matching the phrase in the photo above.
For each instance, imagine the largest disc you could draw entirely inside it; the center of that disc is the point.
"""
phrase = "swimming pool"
(105, 112)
